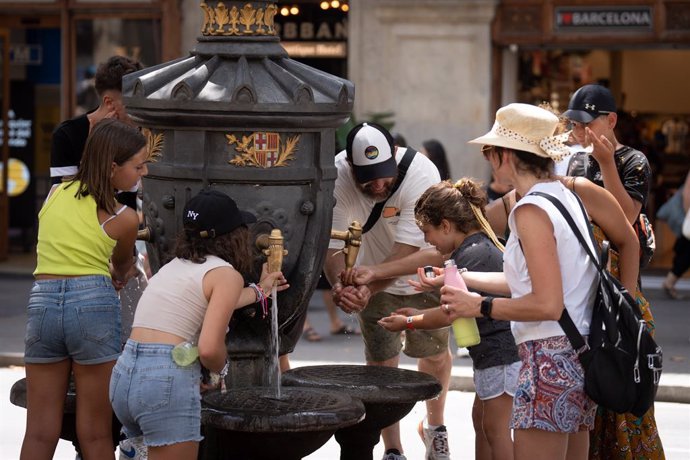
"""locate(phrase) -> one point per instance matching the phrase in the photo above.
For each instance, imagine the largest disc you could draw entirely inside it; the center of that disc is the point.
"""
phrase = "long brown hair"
(110, 141)
(234, 248)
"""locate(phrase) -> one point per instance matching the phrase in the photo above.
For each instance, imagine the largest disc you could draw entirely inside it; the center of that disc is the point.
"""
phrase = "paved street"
(672, 318)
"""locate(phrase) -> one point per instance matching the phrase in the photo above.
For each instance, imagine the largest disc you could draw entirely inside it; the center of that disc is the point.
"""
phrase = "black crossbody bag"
(403, 166)
(622, 362)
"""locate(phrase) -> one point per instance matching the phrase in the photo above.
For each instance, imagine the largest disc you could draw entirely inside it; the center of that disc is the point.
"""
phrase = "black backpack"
(622, 362)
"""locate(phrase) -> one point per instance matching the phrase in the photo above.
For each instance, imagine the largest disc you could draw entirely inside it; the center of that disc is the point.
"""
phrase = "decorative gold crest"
(219, 20)
(154, 145)
(263, 150)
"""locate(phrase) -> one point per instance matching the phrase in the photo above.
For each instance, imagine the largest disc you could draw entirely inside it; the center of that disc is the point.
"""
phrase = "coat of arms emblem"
(263, 150)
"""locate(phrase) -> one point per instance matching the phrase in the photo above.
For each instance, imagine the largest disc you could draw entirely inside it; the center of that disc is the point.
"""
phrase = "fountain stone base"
(252, 424)
(388, 395)
(68, 431)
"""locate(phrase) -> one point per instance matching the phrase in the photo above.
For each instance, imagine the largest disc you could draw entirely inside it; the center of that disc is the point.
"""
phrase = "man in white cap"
(368, 173)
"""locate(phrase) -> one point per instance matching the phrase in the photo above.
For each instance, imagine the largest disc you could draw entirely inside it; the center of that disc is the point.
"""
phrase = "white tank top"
(578, 274)
(174, 299)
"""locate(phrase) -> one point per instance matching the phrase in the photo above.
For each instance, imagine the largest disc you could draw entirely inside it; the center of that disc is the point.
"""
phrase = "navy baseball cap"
(589, 102)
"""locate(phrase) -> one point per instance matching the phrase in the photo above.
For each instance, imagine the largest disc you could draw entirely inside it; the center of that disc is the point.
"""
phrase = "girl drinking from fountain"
(452, 219)
(183, 314)
(85, 246)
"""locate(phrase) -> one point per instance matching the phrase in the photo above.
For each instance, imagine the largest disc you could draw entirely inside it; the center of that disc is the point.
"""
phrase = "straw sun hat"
(528, 128)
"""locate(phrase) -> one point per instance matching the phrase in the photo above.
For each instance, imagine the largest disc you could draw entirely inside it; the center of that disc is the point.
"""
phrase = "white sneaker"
(436, 442)
(393, 456)
(133, 449)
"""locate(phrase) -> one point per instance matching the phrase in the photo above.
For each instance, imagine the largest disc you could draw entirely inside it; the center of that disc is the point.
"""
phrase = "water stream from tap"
(130, 294)
(274, 361)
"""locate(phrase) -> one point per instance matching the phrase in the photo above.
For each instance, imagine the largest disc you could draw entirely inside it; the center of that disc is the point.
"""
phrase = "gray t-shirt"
(497, 347)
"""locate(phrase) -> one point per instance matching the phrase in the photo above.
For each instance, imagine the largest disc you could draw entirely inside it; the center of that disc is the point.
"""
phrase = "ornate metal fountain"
(239, 115)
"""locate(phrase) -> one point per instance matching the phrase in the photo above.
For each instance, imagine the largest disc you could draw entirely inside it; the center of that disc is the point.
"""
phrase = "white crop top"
(174, 300)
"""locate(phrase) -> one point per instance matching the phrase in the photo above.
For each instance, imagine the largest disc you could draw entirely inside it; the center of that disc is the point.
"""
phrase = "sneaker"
(393, 454)
(436, 442)
(133, 449)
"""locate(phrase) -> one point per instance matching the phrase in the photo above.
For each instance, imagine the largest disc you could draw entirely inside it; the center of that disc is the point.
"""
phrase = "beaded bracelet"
(219, 377)
(261, 298)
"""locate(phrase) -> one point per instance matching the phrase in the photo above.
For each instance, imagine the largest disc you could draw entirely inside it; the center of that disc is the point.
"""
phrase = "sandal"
(311, 335)
(672, 293)
(345, 330)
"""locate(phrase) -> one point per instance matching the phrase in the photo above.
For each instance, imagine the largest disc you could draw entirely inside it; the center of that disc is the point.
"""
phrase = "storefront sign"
(612, 18)
(20, 131)
(316, 49)
(18, 177)
(305, 30)
(26, 54)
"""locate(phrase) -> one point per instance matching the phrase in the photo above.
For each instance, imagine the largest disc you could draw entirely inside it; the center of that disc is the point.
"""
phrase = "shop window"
(99, 38)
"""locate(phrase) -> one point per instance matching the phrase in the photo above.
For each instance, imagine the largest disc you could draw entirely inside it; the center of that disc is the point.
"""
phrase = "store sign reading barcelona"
(220, 20)
(262, 150)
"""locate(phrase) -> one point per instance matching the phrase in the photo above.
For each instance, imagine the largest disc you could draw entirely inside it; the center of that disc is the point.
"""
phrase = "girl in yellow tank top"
(85, 246)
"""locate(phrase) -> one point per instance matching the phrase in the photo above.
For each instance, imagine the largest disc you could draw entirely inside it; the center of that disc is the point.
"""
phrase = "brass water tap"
(353, 240)
(272, 247)
(144, 234)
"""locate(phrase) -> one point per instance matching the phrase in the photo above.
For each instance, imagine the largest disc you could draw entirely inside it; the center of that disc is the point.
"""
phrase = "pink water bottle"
(465, 329)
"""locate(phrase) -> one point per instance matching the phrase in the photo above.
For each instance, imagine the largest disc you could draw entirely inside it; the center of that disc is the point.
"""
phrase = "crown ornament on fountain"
(234, 19)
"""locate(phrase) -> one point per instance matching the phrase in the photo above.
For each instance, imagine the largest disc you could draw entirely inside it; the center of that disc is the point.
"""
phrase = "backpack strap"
(565, 321)
(403, 166)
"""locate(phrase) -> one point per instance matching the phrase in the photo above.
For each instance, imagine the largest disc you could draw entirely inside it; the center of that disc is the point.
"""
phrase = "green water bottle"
(185, 353)
(465, 329)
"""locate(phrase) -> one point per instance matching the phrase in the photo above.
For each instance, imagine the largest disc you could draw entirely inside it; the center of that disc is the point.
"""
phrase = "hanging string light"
(335, 4)
(294, 10)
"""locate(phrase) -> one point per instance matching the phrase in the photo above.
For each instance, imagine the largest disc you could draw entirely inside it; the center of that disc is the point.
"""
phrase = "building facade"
(438, 68)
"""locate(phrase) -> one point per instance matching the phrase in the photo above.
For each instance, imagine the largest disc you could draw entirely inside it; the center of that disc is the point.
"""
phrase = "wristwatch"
(487, 305)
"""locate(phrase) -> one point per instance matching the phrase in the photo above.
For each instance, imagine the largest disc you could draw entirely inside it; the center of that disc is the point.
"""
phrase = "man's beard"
(378, 196)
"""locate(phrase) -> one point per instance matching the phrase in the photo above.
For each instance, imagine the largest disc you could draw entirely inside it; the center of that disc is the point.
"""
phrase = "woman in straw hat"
(545, 270)
(614, 435)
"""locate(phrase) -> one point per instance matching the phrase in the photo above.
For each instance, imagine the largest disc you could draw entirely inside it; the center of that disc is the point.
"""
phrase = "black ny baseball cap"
(212, 213)
(589, 102)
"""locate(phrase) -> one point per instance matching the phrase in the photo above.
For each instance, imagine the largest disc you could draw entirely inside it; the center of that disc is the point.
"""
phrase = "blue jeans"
(76, 318)
(154, 397)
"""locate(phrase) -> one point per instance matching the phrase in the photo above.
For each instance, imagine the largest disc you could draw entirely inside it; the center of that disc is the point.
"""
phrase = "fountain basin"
(388, 395)
(69, 414)
(252, 424)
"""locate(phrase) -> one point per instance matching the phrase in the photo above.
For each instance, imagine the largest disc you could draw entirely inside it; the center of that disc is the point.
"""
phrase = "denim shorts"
(76, 318)
(155, 398)
(492, 382)
(381, 345)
